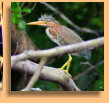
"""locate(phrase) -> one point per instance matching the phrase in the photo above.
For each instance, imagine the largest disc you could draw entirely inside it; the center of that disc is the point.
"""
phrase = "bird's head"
(46, 21)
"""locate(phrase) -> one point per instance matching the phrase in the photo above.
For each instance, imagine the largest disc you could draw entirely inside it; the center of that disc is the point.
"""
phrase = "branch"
(23, 3)
(36, 75)
(31, 9)
(33, 89)
(56, 11)
(47, 73)
(58, 50)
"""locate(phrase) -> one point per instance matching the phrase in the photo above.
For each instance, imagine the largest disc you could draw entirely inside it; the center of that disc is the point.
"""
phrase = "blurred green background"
(84, 14)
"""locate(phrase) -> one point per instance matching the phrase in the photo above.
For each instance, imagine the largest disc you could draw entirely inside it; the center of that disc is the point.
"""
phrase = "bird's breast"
(52, 34)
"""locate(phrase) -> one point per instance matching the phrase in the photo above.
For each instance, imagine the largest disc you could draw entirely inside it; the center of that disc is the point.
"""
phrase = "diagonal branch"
(76, 27)
(36, 75)
(58, 50)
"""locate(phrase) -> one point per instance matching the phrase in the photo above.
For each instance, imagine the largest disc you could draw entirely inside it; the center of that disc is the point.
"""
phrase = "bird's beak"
(37, 23)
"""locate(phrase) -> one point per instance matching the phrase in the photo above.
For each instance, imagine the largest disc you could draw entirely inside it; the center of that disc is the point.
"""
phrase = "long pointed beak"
(36, 23)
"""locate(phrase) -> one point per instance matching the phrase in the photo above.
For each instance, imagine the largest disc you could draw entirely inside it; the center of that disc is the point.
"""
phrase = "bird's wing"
(67, 36)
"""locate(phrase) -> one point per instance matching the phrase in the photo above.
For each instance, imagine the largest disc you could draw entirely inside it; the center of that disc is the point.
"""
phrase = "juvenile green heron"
(61, 35)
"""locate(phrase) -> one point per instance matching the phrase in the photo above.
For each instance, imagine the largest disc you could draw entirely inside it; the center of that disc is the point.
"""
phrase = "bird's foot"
(67, 64)
(66, 71)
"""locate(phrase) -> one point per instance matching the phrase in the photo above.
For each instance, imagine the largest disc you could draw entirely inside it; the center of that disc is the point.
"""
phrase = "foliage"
(16, 15)
(84, 14)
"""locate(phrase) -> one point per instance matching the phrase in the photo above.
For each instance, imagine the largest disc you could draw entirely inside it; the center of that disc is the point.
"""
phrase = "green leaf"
(99, 84)
(80, 17)
(76, 7)
(18, 15)
(21, 24)
(26, 10)
(13, 18)
(17, 9)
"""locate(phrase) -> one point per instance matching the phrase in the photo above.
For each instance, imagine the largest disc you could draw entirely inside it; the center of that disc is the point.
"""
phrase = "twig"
(47, 73)
(33, 6)
(36, 75)
(58, 50)
(87, 70)
(29, 5)
(31, 9)
(56, 11)
(23, 3)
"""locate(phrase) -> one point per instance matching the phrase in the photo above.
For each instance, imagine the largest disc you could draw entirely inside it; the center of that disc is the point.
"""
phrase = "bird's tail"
(85, 54)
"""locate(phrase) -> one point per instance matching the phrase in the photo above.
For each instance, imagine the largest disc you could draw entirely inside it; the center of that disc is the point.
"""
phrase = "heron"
(61, 35)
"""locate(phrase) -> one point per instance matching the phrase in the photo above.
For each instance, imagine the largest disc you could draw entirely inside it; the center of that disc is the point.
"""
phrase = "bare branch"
(56, 11)
(23, 3)
(36, 75)
(33, 6)
(47, 73)
(33, 89)
(58, 50)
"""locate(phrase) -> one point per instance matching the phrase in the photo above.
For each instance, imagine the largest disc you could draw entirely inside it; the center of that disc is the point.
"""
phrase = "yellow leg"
(67, 64)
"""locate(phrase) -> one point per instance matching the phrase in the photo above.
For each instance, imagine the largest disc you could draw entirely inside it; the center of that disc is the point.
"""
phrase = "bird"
(61, 35)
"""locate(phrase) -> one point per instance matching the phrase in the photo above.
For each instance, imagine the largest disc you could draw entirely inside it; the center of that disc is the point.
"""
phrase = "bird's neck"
(56, 27)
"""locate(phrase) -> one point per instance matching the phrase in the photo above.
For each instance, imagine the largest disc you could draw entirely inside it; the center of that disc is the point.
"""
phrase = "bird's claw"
(66, 71)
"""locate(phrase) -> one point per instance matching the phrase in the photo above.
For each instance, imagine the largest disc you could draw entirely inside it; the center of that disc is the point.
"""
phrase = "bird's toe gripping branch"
(67, 64)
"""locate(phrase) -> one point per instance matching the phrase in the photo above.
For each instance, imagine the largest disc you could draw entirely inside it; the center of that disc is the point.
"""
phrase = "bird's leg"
(67, 64)
(62, 68)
